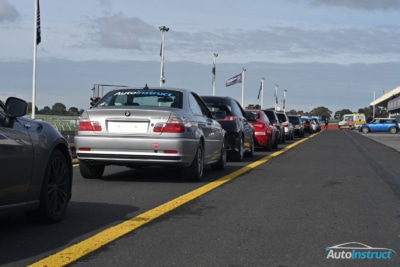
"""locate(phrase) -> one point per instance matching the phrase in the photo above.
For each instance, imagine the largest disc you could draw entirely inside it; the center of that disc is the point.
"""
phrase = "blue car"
(380, 125)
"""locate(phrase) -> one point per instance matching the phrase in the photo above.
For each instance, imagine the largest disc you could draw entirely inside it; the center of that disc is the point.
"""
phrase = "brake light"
(228, 118)
(259, 125)
(89, 126)
(172, 126)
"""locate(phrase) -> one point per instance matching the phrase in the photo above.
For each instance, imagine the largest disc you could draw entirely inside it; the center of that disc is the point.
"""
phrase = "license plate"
(127, 127)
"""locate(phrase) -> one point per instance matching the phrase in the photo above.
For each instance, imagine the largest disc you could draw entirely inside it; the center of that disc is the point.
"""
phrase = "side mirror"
(16, 107)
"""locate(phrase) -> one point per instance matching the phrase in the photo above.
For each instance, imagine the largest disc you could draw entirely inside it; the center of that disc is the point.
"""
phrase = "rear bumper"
(140, 151)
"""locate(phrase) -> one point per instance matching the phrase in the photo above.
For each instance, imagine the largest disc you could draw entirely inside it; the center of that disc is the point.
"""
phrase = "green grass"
(61, 123)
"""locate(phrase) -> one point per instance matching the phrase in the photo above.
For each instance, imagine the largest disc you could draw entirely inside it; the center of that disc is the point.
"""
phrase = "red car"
(265, 134)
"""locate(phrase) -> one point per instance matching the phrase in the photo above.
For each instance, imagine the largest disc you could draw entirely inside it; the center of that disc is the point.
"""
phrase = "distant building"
(389, 100)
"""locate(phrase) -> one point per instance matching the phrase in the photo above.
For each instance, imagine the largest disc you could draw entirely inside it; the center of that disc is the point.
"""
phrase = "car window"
(237, 109)
(142, 97)
(2, 115)
(194, 106)
(270, 116)
(204, 109)
(215, 107)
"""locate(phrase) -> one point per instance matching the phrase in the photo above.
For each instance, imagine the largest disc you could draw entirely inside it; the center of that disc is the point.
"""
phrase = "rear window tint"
(142, 97)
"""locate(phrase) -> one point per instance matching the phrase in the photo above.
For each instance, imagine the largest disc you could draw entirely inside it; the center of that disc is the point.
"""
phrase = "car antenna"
(145, 87)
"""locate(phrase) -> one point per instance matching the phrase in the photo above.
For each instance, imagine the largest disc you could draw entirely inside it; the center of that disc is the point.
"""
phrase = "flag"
(213, 69)
(259, 91)
(234, 79)
(38, 35)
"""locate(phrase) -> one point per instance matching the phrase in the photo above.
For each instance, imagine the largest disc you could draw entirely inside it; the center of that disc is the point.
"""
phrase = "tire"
(269, 145)
(251, 152)
(195, 171)
(392, 130)
(239, 155)
(283, 138)
(275, 145)
(221, 164)
(365, 129)
(91, 171)
(56, 190)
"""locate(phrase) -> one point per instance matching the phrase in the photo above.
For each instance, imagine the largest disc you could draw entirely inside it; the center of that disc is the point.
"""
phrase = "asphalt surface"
(333, 188)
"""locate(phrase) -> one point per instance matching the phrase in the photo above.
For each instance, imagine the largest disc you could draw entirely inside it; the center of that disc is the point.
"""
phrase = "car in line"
(298, 126)
(287, 125)
(315, 125)
(265, 134)
(307, 125)
(239, 137)
(35, 165)
(273, 118)
(150, 126)
(380, 125)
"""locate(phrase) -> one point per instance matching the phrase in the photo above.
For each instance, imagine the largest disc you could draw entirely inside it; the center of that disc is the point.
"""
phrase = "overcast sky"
(332, 53)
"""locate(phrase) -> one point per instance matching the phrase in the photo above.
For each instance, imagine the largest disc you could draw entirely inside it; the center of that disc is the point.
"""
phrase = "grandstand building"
(391, 101)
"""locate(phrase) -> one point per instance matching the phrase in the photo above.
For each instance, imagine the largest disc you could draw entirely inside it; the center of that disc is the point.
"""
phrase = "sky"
(340, 54)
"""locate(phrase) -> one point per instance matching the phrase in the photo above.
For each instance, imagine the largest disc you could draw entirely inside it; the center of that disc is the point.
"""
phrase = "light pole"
(284, 100)
(214, 71)
(163, 29)
(243, 85)
(276, 97)
(262, 91)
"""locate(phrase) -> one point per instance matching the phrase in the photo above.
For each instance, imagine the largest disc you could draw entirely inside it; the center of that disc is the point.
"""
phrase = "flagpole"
(284, 100)
(243, 85)
(214, 71)
(276, 96)
(34, 59)
(262, 91)
(163, 29)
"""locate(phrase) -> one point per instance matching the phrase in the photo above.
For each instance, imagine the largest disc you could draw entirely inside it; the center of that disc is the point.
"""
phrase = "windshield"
(142, 97)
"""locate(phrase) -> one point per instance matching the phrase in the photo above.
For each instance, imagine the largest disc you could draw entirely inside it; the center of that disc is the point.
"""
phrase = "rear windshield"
(142, 97)
(294, 120)
(215, 107)
(256, 114)
(281, 116)
(270, 116)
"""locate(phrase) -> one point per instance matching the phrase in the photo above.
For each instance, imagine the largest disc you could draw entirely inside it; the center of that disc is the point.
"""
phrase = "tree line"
(61, 110)
(324, 112)
(57, 109)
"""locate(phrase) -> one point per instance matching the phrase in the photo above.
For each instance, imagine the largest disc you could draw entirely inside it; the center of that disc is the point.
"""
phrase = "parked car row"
(133, 127)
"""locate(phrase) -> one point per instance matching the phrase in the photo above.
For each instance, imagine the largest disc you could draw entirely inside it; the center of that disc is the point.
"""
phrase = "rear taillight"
(259, 125)
(89, 126)
(228, 118)
(172, 126)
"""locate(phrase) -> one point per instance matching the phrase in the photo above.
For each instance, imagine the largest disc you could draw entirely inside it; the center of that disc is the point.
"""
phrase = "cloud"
(120, 32)
(8, 12)
(388, 5)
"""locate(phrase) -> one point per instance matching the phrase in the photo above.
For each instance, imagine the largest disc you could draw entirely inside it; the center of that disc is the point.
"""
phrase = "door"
(16, 161)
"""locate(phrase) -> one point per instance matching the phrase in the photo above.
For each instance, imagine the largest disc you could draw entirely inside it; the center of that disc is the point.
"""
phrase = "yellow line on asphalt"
(74, 252)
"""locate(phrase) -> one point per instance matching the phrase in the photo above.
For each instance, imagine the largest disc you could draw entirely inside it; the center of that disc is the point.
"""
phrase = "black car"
(239, 137)
(35, 165)
(273, 118)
